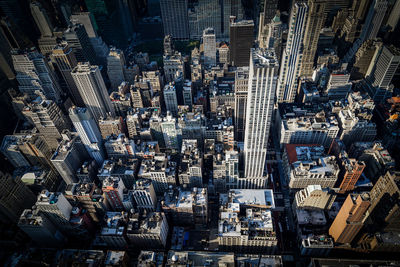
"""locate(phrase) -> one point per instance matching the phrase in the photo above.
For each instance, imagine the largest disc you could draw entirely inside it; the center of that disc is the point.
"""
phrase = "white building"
(89, 132)
(94, 93)
(308, 165)
(253, 232)
(170, 99)
(260, 102)
(308, 129)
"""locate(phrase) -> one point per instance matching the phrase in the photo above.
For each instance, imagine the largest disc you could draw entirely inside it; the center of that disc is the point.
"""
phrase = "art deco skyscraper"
(315, 22)
(210, 47)
(260, 101)
(93, 90)
(89, 133)
(292, 54)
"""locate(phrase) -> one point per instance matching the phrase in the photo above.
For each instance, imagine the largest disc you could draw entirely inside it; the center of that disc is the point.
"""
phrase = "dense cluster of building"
(274, 138)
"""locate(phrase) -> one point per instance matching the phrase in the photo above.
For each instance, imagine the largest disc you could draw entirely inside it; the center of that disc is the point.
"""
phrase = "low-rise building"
(113, 234)
(306, 165)
(313, 197)
(149, 232)
(144, 195)
(186, 207)
(160, 170)
(245, 221)
(190, 171)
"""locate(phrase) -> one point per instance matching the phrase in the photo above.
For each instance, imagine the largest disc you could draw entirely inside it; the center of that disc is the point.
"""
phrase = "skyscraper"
(115, 67)
(14, 198)
(373, 21)
(270, 8)
(174, 14)
(170, 99)
(69, 157)
(65, 61)
(315, 22)
(48, 118)
(34, 73)
(292, 54)
(210, 47)
(241, 40)
(89, 133)
(260, 101)
(349, 220)
(79, 41)
(241, 88)
(41, 19)
(93, 90)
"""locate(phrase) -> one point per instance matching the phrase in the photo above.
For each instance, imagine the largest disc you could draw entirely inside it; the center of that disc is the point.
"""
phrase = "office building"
(89, 132)
(306, 165)
(241, 87)
(115, 67)
(41, 19)
(394, 16)
(149, 232)
(64, 58)
(15, 197)
(302, 126)
(349, 220)
(338, 85)
(260, 101)
(172, 134)
(269, 11)
(365, 59)
(184, 207)
(88, 21)
(110, 126)
(315, 21)
(210, 47)
(56, 208)
(290, 68)
(241, 41)
(34, 73)
(175, 18)
(374, 19)
(170, 99)
(10, 149)
(152, 258)
(77, 38)
(144, 195)
(313, 197)
(40, 229)
(93, 91)
(48, 118)
(69, 157)
(383, 73)
(252, 232)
